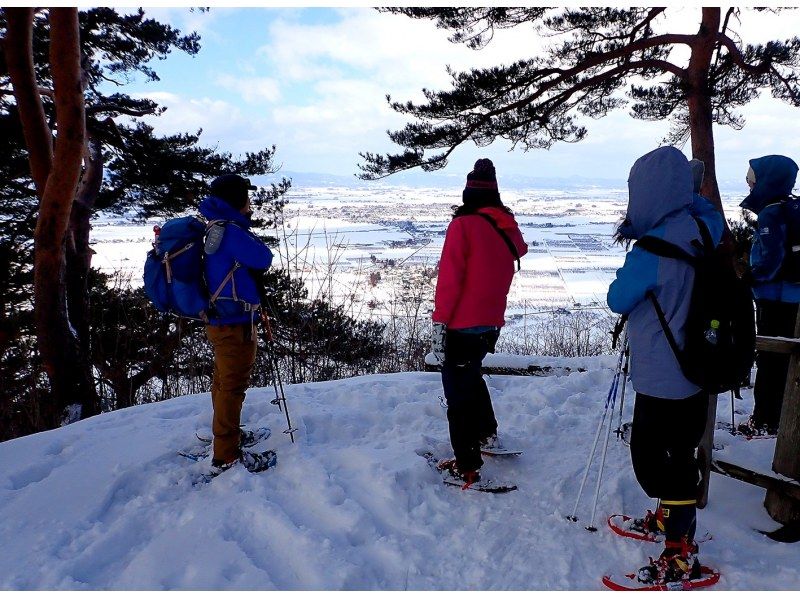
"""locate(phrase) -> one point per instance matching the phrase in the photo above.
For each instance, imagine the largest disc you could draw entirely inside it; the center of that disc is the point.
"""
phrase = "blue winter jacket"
(239, 298)
(775, 178)
(661, 204)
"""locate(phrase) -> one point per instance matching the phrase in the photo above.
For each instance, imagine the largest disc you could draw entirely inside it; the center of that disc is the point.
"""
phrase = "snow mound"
(108, 504)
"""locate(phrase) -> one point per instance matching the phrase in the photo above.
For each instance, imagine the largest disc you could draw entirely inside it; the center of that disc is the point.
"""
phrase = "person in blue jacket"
(771, 179)
(670, 412)
(235, 259)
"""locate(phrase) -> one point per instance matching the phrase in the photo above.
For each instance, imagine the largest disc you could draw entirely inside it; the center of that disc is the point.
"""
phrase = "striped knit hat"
(481, 188)
(482, 176)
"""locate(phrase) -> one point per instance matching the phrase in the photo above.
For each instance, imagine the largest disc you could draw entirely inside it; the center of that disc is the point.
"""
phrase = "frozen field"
(369, 248)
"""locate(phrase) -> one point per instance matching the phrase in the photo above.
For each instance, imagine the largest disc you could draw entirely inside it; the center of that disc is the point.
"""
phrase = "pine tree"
(594, 53)
(122, 165)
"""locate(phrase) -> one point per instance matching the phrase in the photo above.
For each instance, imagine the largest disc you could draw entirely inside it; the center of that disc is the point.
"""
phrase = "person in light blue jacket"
(670, 412)
(771, 179)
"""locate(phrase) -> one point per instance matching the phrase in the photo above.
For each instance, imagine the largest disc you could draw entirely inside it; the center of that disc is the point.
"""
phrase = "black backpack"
(719, 347)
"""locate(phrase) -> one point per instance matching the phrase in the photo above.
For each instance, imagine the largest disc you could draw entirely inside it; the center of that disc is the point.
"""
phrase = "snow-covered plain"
(107, 504)
(360, 245)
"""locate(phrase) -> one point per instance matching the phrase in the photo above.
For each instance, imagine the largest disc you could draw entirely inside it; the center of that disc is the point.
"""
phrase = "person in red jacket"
(482, 246)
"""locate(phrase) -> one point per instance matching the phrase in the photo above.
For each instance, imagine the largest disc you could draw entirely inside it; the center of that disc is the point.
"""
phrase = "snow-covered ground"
(107, 503)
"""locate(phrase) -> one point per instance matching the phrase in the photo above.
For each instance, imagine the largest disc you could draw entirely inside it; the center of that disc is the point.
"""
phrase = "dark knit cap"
(481, 188)
(232, 189)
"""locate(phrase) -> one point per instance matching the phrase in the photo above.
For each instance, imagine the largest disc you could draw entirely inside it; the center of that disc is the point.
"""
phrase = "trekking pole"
(627, 350)
(280, 397)
(591, 526)
(612, 393)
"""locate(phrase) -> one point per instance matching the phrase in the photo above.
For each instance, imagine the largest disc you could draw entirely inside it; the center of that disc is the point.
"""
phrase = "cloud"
(252, 89)
(317, 89)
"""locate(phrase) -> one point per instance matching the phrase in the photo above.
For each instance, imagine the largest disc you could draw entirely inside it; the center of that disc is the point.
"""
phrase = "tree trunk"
(79, 262)
(699, 103)
(57, 341)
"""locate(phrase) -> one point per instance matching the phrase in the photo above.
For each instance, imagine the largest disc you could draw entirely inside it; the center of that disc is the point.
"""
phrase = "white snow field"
(107, 504)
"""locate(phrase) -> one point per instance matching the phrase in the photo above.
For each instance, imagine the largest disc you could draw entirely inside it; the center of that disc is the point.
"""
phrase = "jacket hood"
(775, 179)
(659, 184)
(214, 208)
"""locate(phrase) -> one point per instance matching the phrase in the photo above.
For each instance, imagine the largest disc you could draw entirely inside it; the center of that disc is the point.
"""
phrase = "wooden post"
(782, 508)
(704, 453)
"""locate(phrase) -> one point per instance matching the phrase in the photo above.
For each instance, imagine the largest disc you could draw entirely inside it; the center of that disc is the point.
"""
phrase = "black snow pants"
(773, 318)
(665, 435)
(470, 415)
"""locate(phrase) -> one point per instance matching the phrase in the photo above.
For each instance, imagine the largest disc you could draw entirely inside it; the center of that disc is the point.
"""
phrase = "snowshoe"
(649, 528)
(747, 431)
(253, 462)
(196, 453)
(676, 569)
(492, 446)
(465, 480)
(247, 438)
(257, 462)
(626, 583)
(751, 430)
(645, 529)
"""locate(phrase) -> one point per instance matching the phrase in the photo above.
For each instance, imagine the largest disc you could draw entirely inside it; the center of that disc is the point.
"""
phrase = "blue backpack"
(791, 261)
(174, 277)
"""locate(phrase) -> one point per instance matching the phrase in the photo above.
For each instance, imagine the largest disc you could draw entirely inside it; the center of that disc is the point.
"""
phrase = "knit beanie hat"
(232, 189)
(481, 187)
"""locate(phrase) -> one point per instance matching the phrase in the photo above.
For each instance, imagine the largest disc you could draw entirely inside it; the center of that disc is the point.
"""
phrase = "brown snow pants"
(234, 356)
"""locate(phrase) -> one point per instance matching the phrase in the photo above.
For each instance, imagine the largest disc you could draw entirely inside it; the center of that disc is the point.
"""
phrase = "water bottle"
(711, 333)
(157, 232)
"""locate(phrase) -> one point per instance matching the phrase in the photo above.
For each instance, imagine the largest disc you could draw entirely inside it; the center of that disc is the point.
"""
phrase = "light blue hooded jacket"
(775, 178)
(661, 204)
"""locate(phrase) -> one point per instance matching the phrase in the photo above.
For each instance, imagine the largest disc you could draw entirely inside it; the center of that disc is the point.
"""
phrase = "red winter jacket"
(476, 269)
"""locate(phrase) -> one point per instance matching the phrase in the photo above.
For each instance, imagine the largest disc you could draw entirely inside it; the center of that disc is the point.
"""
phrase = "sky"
(313, 82)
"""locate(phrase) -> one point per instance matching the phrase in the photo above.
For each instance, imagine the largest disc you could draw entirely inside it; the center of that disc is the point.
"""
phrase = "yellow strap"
(676, 503)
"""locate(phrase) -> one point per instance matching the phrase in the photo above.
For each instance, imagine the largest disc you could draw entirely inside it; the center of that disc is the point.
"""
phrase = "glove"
(438, 340)
(259, 278)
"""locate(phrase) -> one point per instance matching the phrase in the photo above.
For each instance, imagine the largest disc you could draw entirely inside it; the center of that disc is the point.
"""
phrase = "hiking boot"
(492, 443)
(651, 523)
(255, 462)
(678, 562)
(469, 476)
(218, 466)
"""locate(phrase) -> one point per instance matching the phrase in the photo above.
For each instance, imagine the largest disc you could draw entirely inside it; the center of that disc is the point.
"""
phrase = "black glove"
(260, 278)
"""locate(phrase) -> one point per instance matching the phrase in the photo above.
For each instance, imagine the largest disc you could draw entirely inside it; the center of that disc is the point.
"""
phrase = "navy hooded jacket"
(775, 178)
(239, 298)
(661, 204)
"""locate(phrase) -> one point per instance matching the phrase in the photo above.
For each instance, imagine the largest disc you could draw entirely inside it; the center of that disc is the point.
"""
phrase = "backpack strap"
(225, 280)
(504, 236)
(663, 248)
(665, 327)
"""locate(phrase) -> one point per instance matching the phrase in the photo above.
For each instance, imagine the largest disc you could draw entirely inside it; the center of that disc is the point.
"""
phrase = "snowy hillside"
(108, 504)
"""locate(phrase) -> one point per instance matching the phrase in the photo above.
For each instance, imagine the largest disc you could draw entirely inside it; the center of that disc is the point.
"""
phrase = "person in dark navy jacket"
(235, 257)
(670, 412)
(771, 179)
